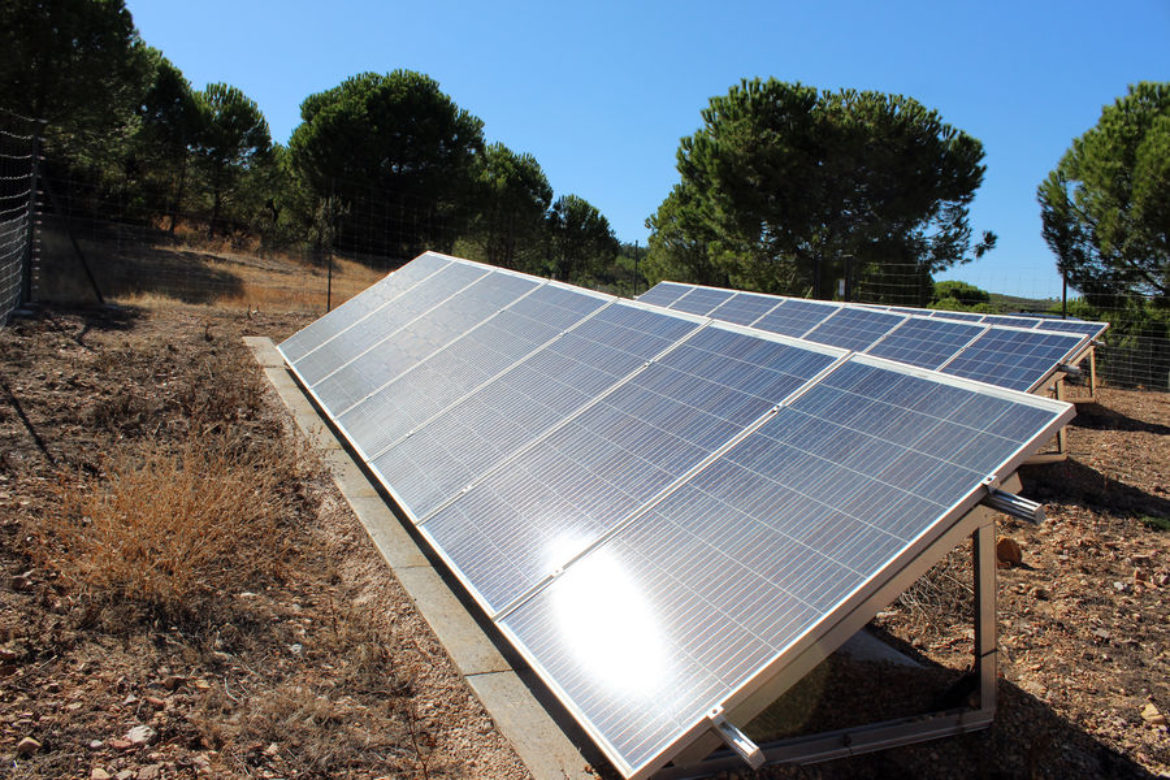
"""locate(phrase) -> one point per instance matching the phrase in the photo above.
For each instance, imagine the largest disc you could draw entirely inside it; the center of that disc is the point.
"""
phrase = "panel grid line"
(400, 328)
(564, 422)
(447, 344)
(491, 379)
(666, 491)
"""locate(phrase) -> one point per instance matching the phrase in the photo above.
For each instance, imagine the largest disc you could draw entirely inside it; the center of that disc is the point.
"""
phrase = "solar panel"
(879, 330)
(729, 575)
(658, 510)
(794, 317)
(1013, 358)
(744, 308)
(1083, 327)
(926, 343)
(854, 329)
(961, 316)
(394, 410)
(528, 518)
(1010, 321)
(420, 338)
(665, 293)
(365, 333)
(701, 300)
(515, 409)
(394, 284)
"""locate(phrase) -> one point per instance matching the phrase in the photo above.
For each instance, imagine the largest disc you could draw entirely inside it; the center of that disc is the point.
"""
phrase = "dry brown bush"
(170, 527)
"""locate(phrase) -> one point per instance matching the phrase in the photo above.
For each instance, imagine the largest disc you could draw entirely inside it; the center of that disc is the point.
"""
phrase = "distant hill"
(1014, 303)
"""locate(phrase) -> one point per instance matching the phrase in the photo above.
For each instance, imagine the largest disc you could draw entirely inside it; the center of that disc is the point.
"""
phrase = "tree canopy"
(398, 153)
(785, 189)
(232, 136)
(79, 64)
(1106, 205)
(580, 238)
(513, 196)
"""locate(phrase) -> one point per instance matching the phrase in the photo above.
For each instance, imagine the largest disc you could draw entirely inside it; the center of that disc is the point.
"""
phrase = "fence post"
(27, 271)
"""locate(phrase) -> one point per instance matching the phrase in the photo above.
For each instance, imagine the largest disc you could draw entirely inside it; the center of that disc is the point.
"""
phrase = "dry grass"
(171, 528)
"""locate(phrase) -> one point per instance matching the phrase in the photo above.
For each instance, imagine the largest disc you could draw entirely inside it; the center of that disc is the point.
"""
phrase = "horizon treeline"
(382, 166)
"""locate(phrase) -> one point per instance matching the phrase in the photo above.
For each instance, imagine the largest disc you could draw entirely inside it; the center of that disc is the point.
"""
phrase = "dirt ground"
(302, 657)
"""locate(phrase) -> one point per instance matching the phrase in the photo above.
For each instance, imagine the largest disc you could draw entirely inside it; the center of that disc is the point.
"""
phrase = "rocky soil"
(302, 657)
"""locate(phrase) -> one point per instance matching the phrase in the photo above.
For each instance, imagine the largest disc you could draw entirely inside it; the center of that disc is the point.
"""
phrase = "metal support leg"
(983, 547)
(1093, 373)
(1061, 440)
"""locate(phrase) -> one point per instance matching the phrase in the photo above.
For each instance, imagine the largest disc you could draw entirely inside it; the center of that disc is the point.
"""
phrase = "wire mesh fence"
(105, 240)
(19, 138)
(1135, 351)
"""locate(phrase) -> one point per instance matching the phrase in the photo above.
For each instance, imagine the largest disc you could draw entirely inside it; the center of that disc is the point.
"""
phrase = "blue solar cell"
(1090, 329)
(926, 342)
(745, 308)
(854, 329)
(962, 316)
(721, 579)
(420, 338)
(353, 341)
(1011, 321)
(665, 293)
(322, 330)
(794, 317)
(701, 300)
(516, 408)
(527, 519)
(1016, 359)
(478, 356)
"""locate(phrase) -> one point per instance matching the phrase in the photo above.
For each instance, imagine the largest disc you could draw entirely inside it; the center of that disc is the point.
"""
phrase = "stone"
(27, 746)
(125, 774)
(1008, 551)
(140, 735)
(121, 744)
(99, 774)
(1151, 715)
(150, 772)
(173, 682)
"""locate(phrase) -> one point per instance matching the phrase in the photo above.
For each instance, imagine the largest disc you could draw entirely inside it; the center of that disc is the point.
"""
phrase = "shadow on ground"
(122, 269)
(1092, 414)
(1073, 482)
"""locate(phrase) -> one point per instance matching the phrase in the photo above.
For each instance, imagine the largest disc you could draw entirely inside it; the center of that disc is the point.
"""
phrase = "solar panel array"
(989, 348)
(657, 509)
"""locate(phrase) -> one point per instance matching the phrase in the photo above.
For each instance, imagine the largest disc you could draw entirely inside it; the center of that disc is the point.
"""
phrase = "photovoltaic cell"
(420, 338)
(659, 517)
(1011, 321)
(527, 519)
(854, 329)
(1083, 327)
(701, 300)
(731, 571)
(1016, 359)
(511, 411)
(794, 317)
(665, 293)
(924, 342)
(744, 308)
(482, 353)
(391, 286)
(363, 334)
(961, 316)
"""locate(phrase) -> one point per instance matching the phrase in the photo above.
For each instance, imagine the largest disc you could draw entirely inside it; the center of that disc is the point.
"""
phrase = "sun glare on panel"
(610, 625)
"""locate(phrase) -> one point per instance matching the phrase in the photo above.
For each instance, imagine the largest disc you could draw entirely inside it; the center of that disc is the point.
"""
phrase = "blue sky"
(601, 92)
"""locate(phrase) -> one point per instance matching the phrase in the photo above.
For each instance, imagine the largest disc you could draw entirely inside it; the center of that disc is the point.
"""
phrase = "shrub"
(168, 528)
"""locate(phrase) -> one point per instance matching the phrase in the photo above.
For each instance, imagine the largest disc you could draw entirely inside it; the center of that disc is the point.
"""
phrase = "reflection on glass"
(608, 625)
